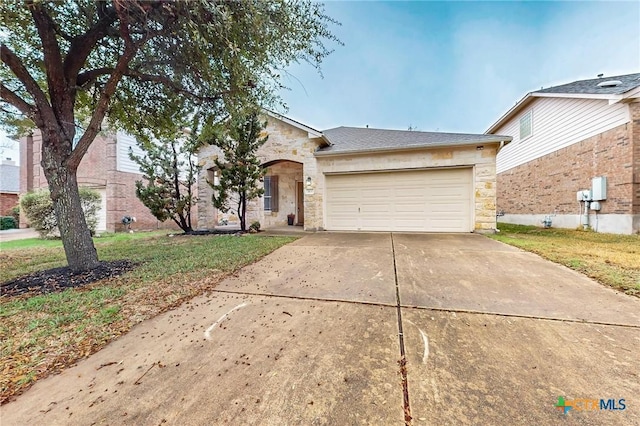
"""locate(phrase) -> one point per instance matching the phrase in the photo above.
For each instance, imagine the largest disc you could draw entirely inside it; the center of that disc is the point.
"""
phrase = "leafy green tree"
(170, 170)
(69, 65)
(239, 168)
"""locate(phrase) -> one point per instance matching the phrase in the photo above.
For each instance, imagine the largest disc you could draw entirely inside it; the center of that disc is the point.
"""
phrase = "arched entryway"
(284, 193)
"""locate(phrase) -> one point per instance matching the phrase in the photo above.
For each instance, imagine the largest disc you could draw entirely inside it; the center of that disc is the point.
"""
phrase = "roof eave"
(526, 99)
(605, 96)
(503, 140)
(313, 133)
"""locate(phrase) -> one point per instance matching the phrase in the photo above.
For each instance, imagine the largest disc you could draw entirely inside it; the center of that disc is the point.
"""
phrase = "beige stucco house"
(362, 179)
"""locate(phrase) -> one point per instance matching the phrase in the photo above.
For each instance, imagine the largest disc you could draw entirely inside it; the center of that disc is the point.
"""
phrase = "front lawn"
(41, 334)
(611, 259)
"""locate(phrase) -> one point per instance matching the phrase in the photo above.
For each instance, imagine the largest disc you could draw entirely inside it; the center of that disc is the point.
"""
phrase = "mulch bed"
(59, 279)
(214, 232)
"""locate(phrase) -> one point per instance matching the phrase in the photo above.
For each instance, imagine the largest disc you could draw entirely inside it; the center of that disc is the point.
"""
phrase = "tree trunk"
(242, 212)
(63, 185)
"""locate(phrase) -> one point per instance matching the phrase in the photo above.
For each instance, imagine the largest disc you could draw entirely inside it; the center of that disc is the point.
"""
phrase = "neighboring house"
(9, 186)
(107, 168)
(361, 179)
(563, 138)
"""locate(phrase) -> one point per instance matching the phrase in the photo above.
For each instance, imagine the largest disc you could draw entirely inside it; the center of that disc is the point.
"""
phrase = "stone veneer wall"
(483, 163)
(286, 143)
(288, 174)
(289, 143)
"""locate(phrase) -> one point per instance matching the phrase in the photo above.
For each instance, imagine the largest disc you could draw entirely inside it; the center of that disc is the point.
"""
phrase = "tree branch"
(50, 49)
(130, 50)
(87, 77)
(43, 108)
(14, 99)
(82, 46)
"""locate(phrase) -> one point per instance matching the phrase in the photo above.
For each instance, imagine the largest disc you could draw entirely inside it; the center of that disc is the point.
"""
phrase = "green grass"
(611, 259)
(103, 239)
(40, 334)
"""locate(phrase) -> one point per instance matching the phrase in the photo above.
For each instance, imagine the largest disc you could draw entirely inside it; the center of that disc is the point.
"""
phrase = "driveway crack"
(403, 358)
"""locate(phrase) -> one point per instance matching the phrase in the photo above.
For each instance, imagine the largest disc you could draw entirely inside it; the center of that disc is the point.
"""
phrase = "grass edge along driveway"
(611, 259)
(43, 334)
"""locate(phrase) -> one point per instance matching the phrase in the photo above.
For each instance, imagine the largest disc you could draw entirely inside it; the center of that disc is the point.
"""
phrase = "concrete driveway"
(315, 334)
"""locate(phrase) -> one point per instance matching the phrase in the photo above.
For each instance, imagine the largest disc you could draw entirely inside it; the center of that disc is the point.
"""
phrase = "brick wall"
(634, 130)
(7, 202)
(98, 169)
(550, 183)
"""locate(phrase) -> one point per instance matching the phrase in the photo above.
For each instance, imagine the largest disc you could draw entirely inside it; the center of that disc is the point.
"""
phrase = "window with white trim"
(213, 176)
(271, 193)
(526, 125)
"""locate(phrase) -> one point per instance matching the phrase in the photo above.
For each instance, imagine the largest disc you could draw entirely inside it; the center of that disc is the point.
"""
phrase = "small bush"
(15, 212)
(255, 226)
(38, 208)
(8, 222)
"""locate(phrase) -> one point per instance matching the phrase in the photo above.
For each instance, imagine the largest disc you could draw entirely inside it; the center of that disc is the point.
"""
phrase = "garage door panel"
(405, 207)
(426, 200)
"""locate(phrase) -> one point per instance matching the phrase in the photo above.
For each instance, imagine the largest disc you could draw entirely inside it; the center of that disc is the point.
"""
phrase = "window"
(213, 176)
(526, 125)
(271, 193)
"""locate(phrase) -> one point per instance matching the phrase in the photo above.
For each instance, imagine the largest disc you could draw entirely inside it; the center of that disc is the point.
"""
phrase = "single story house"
(570, 142)
(362, 179)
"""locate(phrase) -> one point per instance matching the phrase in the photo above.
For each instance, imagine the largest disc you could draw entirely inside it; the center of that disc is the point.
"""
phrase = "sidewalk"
(17, 234)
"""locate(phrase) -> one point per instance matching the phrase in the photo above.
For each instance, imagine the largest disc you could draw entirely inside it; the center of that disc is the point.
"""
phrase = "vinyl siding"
(126, 164)
(557, 123)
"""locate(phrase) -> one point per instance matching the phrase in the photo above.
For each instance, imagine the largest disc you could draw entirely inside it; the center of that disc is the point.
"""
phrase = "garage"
(439, 200)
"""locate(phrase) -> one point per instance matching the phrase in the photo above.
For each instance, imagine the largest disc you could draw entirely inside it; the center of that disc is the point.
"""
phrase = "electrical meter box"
(584, 195)
(599, 188)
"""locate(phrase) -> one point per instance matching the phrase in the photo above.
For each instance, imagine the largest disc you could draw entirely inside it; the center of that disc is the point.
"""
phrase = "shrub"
(255, 226)
(38, 208)
(8, 222)
(15, 212)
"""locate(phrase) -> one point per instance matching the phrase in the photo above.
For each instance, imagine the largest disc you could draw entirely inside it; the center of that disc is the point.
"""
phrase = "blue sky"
(456, 66)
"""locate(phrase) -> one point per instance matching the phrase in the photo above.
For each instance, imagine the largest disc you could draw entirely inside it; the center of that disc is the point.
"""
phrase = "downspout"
(585, 216)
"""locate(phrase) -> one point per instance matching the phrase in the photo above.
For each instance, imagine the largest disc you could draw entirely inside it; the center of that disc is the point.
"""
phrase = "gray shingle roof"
(355, 139)
(629, 81)
(9, 178)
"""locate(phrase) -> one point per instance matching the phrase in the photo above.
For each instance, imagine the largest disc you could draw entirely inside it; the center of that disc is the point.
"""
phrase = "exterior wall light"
(308, 181)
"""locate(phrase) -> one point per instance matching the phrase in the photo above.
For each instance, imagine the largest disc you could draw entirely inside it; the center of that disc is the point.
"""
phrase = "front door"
(300, 203)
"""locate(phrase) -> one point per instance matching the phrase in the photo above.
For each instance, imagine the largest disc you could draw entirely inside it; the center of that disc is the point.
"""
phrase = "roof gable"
(623, 92)
(313, 133)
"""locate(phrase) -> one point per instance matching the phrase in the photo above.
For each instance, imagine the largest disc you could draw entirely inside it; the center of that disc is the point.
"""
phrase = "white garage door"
(424, 200)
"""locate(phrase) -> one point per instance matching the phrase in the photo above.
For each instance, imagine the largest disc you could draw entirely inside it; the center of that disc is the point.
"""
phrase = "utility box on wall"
(583, 195)
(599, 188)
